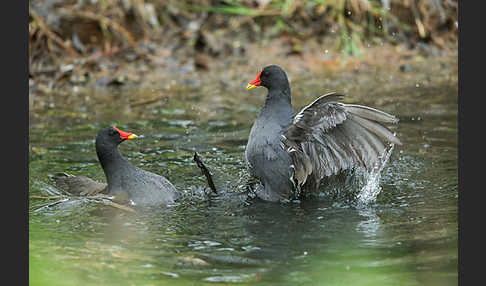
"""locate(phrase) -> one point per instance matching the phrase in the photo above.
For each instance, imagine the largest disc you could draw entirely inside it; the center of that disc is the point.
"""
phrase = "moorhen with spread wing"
(290, 155)
(124, 179)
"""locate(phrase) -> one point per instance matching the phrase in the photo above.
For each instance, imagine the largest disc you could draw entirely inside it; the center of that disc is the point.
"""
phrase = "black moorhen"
(124, 179)
(290, 155)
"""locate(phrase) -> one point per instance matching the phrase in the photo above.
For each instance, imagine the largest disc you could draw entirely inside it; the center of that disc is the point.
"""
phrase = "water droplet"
(417, 85)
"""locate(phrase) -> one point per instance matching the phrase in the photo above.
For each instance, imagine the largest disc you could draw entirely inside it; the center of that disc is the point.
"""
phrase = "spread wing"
(328, 137)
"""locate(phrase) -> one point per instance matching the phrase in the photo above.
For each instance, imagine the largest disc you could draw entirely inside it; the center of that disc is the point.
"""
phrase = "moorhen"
(290, 155)
(125, 181)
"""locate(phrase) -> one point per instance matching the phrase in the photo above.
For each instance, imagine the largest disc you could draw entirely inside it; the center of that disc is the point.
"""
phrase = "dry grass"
(104, 27)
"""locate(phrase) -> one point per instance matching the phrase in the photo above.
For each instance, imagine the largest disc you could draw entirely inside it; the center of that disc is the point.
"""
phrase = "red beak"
(256, 82)
(125, 135)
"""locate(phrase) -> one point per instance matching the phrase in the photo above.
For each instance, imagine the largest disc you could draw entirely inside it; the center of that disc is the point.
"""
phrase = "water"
(371, 188)
(405, 234)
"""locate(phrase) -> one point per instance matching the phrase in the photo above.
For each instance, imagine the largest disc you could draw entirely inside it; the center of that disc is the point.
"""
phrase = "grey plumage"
(78, 185)
(142, 187)
(125, 181)
(292, 154)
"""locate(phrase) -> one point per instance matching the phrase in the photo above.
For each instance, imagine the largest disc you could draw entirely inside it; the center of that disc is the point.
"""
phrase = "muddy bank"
(76, 92)
(82, 48)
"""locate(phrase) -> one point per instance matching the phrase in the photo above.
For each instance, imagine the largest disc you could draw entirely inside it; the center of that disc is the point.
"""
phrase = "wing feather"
(329, 137)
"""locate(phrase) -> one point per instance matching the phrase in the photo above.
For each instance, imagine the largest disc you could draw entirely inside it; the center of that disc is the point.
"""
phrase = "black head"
(111, 137)
(271, 77)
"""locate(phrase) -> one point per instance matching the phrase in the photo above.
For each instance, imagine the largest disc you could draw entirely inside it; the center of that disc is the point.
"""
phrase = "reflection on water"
(405, 232)
(370, 227)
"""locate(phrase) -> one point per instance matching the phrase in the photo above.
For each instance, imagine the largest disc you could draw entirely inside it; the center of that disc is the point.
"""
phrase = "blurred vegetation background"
(217, 28)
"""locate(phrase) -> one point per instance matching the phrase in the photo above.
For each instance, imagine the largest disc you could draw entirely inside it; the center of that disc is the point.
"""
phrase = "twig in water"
(118, 206)
(106, 200)
(45, 197)
(205, 172)
(51, 204)
(148, 101)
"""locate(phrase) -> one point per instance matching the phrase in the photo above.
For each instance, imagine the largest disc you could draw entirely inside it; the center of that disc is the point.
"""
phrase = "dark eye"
(112, 132)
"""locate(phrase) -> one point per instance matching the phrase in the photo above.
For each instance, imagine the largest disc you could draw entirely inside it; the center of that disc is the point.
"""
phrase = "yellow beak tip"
(250, 86)
(133, 136)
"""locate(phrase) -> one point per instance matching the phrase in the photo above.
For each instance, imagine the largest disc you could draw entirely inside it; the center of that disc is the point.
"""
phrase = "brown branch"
(418, 22)
(51, 35)
(54, 58)
(104, 20)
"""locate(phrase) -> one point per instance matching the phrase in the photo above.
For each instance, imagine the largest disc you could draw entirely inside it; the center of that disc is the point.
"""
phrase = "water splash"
(372, 188)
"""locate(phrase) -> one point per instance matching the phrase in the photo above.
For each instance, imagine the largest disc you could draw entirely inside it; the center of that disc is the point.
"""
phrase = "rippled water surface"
(407, 236)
